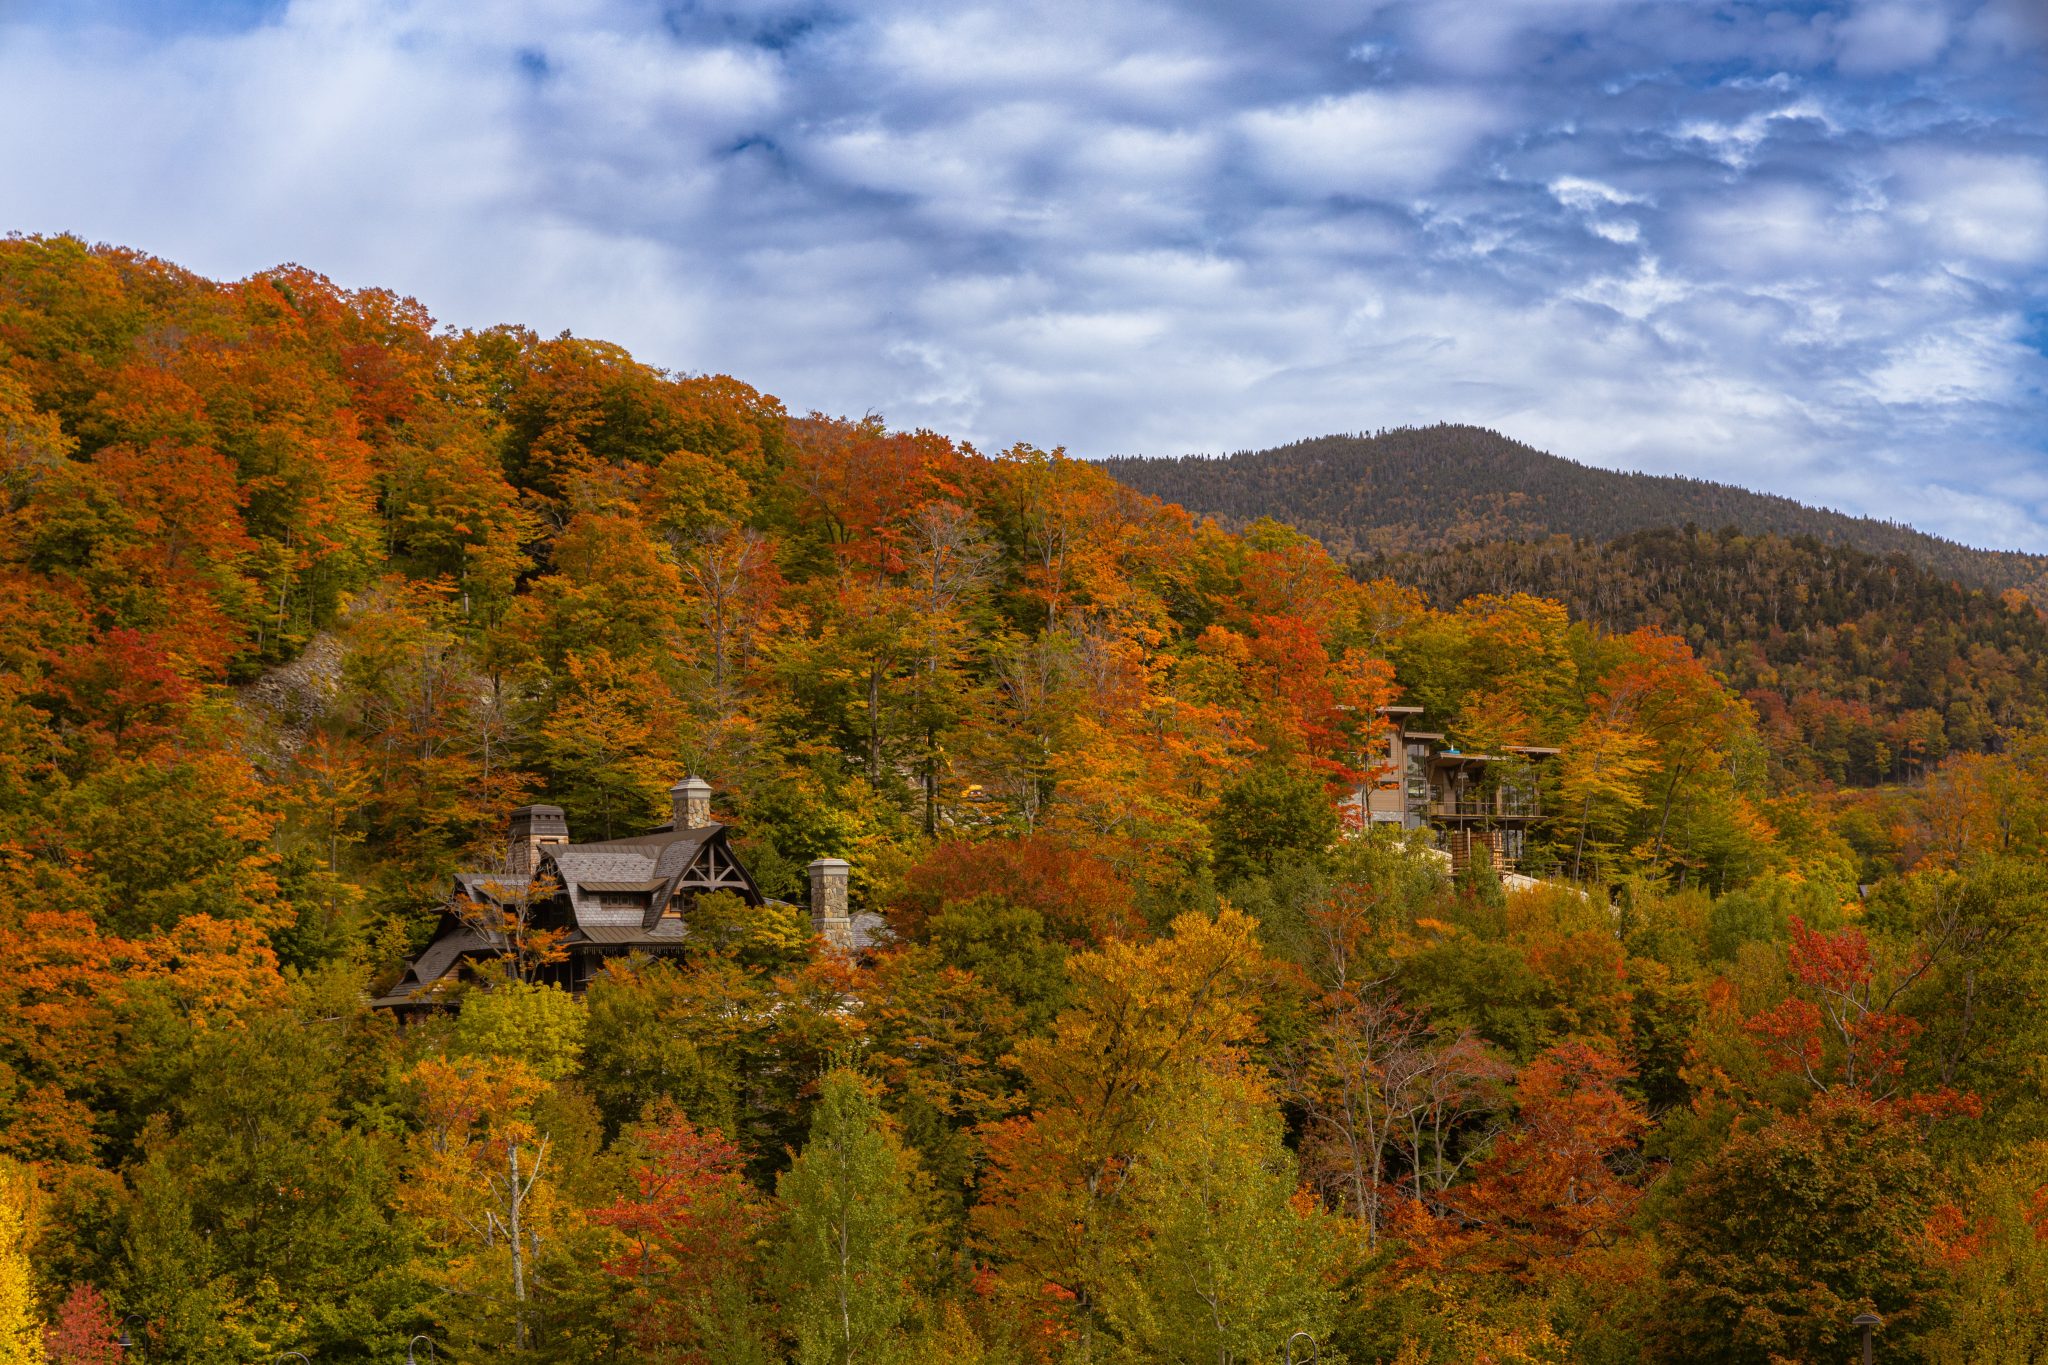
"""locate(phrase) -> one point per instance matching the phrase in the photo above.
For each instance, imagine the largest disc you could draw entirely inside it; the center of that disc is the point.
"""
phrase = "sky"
(1797, 246)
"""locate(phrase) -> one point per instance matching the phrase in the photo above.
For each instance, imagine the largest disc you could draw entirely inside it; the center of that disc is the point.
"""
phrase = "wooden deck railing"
(1473, 806)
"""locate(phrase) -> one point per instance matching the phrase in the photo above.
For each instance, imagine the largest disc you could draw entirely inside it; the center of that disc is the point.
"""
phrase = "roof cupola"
(691, 799)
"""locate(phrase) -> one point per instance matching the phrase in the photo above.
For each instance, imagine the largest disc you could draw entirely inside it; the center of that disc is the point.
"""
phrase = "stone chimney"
(828, 901)
(531, 829)
(691, 800)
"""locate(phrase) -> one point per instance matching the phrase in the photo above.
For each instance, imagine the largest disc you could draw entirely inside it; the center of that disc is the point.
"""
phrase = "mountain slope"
(1427, 487)
(1862, 668)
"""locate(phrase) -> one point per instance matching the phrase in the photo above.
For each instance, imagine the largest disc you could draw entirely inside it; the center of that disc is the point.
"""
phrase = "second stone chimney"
(531, 829)
(691, 799)
(829, 915)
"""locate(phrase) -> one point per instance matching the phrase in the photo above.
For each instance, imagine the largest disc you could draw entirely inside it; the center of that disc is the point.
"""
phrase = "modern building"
(1479, 806)
(596, 901)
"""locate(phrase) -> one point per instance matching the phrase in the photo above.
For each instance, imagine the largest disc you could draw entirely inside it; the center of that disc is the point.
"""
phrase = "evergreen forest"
(1425, 488)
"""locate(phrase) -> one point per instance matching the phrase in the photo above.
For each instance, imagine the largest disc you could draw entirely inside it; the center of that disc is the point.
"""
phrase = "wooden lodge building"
(607, 899)
(1480, 806)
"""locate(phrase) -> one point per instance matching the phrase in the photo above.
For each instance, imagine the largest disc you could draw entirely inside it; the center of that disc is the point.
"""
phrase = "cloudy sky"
(1800, 246)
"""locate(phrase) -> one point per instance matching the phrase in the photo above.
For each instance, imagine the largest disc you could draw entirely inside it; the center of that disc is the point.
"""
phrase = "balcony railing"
(1498, 807)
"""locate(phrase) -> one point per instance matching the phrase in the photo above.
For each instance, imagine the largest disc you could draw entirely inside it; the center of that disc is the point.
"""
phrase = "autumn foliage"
(1162, 1058)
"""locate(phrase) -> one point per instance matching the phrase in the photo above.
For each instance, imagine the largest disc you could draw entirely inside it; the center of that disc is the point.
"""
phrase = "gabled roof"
(488, 887)
(653, 865)
(455, 942)
(639, 874)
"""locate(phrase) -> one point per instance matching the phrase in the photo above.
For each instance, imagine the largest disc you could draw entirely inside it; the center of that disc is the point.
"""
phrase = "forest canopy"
(1162, 1058)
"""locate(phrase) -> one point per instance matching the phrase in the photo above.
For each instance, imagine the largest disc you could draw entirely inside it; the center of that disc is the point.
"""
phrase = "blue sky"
(1800, 246)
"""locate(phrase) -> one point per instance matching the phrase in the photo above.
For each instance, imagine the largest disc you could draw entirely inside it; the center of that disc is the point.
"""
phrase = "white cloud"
(1892, 35)
(1977, 207)
(1788, 231)
(1578, 192)
(1737, 142)
(1370, 143)
(1679, 237)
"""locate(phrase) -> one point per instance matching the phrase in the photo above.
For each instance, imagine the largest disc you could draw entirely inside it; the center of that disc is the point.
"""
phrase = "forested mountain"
(301, 595)
(1427, 487)
(1863, 668)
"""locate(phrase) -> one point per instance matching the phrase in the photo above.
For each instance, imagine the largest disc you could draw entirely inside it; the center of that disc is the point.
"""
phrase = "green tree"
(1230, 1264)
(2000, 1260)
(1275, 809)
(687, 1035)
(851, 1227)
(262, 1218)
(542, 1026)
(173, 1278)
(1792, 1229)
(1008, 947)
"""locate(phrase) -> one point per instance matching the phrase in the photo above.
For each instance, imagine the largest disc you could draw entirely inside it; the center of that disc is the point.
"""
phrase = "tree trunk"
(514, 1200)
(875, 727)
(1585, 818)
(1664, 817)
(845, 1260)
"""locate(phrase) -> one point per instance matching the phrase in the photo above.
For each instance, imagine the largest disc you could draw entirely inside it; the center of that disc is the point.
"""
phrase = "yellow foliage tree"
(21, 1333)
(1145, 1016)
(1601, 785)
(483, 1194)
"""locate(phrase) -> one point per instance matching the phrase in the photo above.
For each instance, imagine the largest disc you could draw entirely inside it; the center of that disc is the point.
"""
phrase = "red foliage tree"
(1081, 894)
(688, 1226)
(1840, 1030)
(85, 1332)
(1550, 1189)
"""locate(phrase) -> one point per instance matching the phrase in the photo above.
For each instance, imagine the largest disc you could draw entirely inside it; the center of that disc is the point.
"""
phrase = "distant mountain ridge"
(1424, 488)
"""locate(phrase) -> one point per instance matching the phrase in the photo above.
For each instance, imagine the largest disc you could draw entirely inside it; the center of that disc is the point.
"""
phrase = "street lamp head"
(125, 1341)
(1866, 1320)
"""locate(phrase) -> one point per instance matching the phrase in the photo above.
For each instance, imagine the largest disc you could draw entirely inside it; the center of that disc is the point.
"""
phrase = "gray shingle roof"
(490, 886)
(580, 866)
(438, 959)
(662, 934)
(647, 864)
(611, 876)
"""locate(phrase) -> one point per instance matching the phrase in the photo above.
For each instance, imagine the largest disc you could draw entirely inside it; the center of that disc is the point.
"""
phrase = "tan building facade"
(1480, 806)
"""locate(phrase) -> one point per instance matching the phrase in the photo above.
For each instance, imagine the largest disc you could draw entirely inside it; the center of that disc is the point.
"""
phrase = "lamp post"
(1869, 1322)
(1314, 1351)
(410, 1358)
(124, 1341)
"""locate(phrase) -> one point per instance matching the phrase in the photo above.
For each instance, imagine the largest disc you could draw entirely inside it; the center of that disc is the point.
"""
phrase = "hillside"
(1863, 668)
(1422, 488)
(314, 606)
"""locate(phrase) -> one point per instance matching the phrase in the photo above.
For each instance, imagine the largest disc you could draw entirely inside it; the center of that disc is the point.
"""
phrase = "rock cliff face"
(283, 706)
